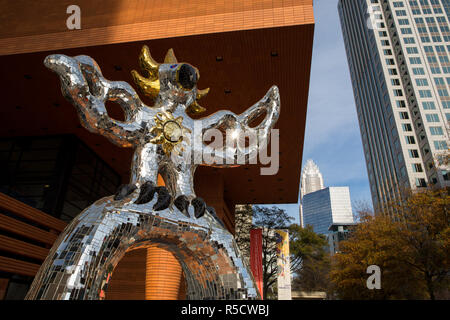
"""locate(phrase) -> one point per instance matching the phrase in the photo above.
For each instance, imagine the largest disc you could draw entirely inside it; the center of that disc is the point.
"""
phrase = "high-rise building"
(446, 5)
(326, 207)
(338, 232)
(398, 54)
(311, 180)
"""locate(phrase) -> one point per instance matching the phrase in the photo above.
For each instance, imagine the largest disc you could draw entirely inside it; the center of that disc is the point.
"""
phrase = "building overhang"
(240, 53)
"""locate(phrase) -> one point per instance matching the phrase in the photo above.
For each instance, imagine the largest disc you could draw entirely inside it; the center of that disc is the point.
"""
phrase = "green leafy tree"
(303, 243)
(314, 274)
(310, 260)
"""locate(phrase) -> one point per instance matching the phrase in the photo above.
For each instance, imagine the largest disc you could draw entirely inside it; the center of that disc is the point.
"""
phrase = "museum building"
(53, 168)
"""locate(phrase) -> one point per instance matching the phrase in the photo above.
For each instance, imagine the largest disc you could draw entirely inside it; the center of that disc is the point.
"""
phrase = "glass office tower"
(398, 55)
(325, 207)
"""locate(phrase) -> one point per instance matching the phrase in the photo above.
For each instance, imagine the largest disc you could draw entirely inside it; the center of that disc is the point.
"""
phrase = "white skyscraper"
(311, 180)
(398, 53)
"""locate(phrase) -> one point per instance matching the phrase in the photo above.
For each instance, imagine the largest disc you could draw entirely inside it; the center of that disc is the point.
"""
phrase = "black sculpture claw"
(164, 199)
(124, 190)
(212, 211)
(199, 207)
(147, 193)
(182, 203)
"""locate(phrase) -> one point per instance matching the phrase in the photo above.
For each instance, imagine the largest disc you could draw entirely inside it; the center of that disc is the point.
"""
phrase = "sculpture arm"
(269, 104)
(83, 84)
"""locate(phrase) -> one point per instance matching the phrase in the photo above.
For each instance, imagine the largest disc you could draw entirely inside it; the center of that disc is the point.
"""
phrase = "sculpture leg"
(145, 165)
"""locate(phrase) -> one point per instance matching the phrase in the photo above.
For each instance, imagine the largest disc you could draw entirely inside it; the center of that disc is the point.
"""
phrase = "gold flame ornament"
(169, 132)
(149, 84)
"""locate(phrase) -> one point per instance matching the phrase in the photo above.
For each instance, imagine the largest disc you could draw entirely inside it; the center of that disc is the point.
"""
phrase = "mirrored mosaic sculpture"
(142, 214)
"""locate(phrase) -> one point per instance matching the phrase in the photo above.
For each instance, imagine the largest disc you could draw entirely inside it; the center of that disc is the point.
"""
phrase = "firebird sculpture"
(84, 256)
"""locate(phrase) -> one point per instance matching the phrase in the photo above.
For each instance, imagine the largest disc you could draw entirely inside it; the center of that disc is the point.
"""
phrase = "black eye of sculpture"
(187, 76)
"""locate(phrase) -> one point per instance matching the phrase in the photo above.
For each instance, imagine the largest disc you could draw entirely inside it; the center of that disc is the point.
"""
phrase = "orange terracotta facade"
(261, 43)
(163, 276)
(118, 21)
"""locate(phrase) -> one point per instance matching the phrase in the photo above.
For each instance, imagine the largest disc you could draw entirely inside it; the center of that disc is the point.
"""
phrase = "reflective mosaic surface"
(141, 214)
(83, 258)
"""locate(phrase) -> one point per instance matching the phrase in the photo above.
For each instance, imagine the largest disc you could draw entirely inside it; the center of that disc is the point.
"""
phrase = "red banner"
(256, 257)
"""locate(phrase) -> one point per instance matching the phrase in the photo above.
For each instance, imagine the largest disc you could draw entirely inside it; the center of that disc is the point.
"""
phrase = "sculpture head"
(169, 81)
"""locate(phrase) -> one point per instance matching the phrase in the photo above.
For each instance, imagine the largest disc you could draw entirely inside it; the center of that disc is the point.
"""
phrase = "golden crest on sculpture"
(149, 84)
(169, 132)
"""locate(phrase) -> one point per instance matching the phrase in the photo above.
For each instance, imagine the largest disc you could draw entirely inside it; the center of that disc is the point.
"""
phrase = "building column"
(163, 275)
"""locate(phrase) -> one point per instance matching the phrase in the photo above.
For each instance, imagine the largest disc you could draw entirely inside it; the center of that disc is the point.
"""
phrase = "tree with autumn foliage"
(409, 241)
(269, 220)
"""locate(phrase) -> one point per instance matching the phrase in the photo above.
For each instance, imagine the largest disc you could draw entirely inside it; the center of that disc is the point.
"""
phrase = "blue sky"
(332, 136)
